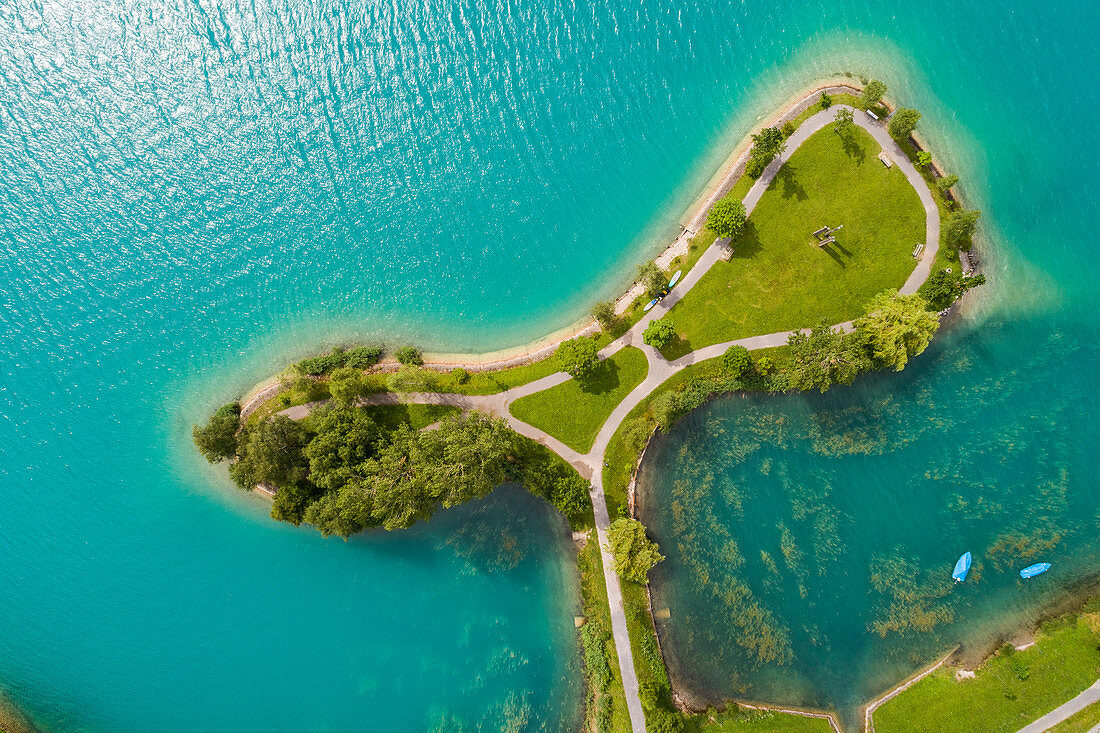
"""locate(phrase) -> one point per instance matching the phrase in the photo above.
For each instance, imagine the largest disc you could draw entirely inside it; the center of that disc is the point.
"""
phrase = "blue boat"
(962, 567)
(1037, 569)
(650, 304)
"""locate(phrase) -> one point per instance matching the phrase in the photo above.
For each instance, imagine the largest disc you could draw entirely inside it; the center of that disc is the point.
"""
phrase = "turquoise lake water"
(194, 193)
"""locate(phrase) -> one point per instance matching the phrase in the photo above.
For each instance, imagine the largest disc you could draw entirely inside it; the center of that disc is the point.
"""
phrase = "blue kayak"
(962, 567)
(650, 304)
(1037, 569)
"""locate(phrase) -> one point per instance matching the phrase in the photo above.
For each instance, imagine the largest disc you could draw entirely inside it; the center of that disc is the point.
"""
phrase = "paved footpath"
(1060, 713)
(590, 465)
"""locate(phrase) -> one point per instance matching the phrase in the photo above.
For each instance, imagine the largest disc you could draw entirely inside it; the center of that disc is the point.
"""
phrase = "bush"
(604, 313)
(217, 440)
(924, 159)
(409, 356)
(943, 288)
(788, 128)
(460, 375)
(826, 101)
(737, 361)
(577, 357)
(594, 639)
(946, 183)
(570, 494)
(315, 366)
(765, 365)
(766, 144)
(659, 333)
(363, 357)
(412, 378)
(346, 386)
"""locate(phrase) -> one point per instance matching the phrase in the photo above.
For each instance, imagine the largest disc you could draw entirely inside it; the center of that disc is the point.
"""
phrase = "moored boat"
(1037, 569)
(962, 567)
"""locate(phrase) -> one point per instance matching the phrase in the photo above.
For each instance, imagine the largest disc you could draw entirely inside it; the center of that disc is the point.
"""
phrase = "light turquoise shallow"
(193, 193)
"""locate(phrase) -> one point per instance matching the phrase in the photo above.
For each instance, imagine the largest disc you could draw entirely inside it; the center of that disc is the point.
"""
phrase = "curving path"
(590, 465)
(1066, 710)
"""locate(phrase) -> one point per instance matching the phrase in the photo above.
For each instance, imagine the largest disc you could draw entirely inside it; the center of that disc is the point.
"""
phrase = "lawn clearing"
(1009, 691)
(573, 412)
(777, 279)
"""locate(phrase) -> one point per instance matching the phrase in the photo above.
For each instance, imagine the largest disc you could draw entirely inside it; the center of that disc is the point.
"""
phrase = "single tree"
(217, 440)
(826, 101)
(737, 361)
(727, 217)
(460, 375)
(577, 357)
(659, 333)
(346, 385)
(652, 278)
(843, 121)
(633, 552)
(902, 123)
(943, 288)
(946, 183)
(959, 228)
(604, 313)
(897, 328)
(766, 144)
(872, 94)
(924, 159)
(409, 355)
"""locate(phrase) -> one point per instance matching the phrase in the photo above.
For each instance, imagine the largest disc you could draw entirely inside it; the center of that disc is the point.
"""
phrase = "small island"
(832, 246)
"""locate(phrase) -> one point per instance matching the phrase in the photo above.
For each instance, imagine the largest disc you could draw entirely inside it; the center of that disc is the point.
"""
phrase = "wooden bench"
(918, 251)
(885, 160)
(872, 115)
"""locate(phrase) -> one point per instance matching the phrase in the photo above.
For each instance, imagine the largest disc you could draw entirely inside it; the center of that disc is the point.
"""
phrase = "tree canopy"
(824, 357)
(633, 552)
(659, 333)
(727, 217)
(843, 121)
(577, 357)
(958, 230)
(943, 288)
(346, 385)
(345, 439)
(902, 123)
(872, 94)
(766, 144)
(217, 440)
(896, 328)
(652, 278)
(946, 183)
(271, 452)
(604, 313)
(409, 356)
(737, 361)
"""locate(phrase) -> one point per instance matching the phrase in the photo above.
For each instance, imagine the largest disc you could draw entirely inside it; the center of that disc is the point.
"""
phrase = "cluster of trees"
(360, 357)
(342, 473)
(943, 288)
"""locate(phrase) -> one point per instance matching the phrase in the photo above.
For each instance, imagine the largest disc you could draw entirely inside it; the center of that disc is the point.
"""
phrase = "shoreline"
(542, 347)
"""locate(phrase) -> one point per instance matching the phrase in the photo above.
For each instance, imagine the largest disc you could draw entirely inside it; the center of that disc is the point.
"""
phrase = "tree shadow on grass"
(851, 148)
(747, 243)
(788, 177)
(604, 378)
(676, 348)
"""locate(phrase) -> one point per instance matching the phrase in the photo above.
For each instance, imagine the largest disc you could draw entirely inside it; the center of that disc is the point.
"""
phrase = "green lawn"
(1009, 691)
(744, 720)
(777, 280)
(574, 411)
(389, 417)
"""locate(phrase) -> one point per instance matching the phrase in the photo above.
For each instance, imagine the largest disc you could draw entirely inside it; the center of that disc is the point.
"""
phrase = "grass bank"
(777, 279)
(1010, 689)
(574, 412)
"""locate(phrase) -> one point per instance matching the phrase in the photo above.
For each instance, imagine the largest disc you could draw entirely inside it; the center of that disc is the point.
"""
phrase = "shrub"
(737, 361)
(826, 101)
(577, 357)
(570, 494)
(409, 356)
(727, 217)
(943, 288)
(946, 183)
(363, 357)
(412, 378)
(594, 639)
(217, 440)
(659, 333)
(766, 144)
(924, 159)
(604, 313)
(315, 366)
(765, 365)
(873, 92)
(346, 386)
(903, 122)
(460, 375)
(788, 128)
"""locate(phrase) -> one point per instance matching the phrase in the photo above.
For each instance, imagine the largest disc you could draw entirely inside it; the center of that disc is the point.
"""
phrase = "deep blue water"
(195, 192)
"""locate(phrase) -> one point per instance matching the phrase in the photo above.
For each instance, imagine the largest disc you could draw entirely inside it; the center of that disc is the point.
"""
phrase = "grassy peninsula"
(346, 444)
